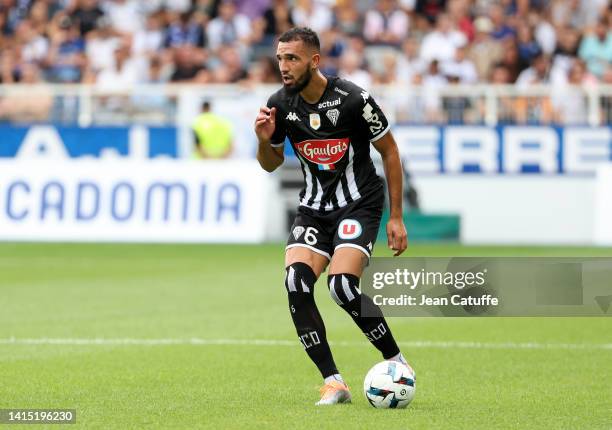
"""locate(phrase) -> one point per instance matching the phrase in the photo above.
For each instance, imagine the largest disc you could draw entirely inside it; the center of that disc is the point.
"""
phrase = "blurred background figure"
(442, 43)
(596, 47)
(213, 134)
(387, 24)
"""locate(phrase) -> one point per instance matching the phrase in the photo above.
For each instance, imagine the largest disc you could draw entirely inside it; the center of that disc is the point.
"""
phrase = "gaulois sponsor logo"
(325, 151)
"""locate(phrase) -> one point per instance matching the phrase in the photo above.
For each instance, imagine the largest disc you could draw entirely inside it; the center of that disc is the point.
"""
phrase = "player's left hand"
(397, 237)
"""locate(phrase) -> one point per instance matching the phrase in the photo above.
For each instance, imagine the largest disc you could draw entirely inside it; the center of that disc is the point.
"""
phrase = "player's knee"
(343, 288)
(299, 279)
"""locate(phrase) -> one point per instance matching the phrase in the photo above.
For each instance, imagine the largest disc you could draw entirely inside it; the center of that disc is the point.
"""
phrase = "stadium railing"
(177, 104)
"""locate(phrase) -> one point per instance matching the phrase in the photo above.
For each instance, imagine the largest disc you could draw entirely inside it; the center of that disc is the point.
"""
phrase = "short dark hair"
(305, 34)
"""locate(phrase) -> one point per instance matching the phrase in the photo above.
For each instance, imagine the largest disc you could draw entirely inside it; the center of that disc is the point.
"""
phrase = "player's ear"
(316, 59)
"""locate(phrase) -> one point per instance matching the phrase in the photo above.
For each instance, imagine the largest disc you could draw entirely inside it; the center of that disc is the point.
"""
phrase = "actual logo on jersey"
(349, 229)
(365, 96)
(292, 117)
(298, 231)
(333, 115)
(324, 152)
(315, 121)
(329, 103)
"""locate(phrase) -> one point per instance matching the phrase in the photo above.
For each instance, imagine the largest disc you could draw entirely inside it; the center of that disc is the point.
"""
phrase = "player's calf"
(299, 282)
(344, 289)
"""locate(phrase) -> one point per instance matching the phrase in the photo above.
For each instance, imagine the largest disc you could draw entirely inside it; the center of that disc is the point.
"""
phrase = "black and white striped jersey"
(331, 138)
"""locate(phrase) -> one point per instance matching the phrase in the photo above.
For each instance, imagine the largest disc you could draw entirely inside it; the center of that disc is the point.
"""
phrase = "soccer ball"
(389, 384)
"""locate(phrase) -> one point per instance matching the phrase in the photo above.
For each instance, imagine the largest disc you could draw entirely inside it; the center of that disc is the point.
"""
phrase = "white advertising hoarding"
(603, 206)
(138, 201)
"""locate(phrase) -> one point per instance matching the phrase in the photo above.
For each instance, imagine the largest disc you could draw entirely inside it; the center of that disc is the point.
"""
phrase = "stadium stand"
(431, 45)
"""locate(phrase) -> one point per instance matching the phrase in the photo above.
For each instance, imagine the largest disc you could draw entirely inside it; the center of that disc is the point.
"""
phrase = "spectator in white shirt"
(441, 44)
(125, 16)
(409, 64)
(312, 14)
(101, 45)
(461, 68)
(351, 69)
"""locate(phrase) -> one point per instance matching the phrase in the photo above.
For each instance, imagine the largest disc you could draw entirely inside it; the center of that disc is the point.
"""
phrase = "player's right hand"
(265, 123)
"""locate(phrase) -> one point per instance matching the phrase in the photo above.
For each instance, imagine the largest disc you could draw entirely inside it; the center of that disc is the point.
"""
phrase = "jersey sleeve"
(278, 137)
(371, 118)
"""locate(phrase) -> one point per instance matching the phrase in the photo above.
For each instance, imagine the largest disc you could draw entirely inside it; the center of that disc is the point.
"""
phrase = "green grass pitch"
(227, 293)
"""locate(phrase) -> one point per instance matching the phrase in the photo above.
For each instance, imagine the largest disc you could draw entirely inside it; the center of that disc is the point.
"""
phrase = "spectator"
(333, 45)
(566, 50)
(430, 9)
(41, 13)
(441, 44)
(188, 66)
(264, 71)
(213, 134)
(484, 51)
(606, 100)
(125, 15)
(458, 12)
(501, 29)
(252, 9)
(385, 25)
(433, 81)
(570, 101)
(539, 73)
(230, 69)
(347, 17)
(275, 21)
(528, 48)
(126, 71)
(308, 13)
(596, 48)
(150, 39)
(66, 59)
(351, 68)
(409, 64)
(461, 68)
(86, 14)
(173, 6)
(183, 30)
(510, 58)
(33, 45)
(506, 107)
(388, 73)
(101, 45)
(544, 32)
(228, 27)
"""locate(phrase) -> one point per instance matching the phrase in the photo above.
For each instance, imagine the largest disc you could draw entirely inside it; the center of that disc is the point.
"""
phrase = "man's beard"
(299, 84)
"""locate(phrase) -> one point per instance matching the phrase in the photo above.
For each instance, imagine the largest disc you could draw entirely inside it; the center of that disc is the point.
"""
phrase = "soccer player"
(330, 123)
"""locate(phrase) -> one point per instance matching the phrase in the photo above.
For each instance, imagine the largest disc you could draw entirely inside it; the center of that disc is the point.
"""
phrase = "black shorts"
(355, 226)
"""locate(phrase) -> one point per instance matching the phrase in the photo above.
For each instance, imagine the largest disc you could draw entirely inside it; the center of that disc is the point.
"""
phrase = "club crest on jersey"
(333, 115)
(349, 229)
(315, 121)
(297, 232)
(323, 152)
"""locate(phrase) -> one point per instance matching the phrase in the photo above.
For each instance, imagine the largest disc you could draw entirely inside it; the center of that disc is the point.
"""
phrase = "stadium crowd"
(118, 43)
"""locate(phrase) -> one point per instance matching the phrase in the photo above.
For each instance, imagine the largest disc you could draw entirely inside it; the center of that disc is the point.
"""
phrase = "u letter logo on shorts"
(349, 229)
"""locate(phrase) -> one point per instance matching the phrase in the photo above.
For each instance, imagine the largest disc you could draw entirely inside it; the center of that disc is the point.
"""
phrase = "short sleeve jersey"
(331, 138)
